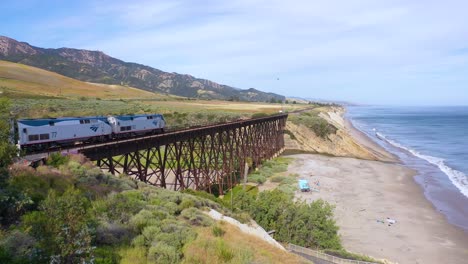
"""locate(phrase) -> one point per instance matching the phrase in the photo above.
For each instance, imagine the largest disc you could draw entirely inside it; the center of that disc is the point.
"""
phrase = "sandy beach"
(369, 193)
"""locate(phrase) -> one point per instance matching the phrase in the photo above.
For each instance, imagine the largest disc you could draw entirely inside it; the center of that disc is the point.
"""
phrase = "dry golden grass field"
(39, 93)
(21, 78)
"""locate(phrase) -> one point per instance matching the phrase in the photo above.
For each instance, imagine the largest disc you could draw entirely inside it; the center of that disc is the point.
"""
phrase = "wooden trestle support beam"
(208, 158)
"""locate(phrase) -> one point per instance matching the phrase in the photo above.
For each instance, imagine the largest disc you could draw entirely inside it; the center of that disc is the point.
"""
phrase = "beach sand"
(366, 193)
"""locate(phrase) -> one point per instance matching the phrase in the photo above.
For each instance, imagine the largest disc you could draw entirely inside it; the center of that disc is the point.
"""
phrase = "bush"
(18, 247)
(196, 217)
(259, 115)
(217, 231)
(348, 255)
(112, 234)
(7, 150)
(287, 188)
(203, 195)
(223, 252)
(62, 227)
(163, 253)
(256, 178)
(57, 159)
(313, 121)
(120, 207)
(146, 218)
(308, 225)
(278, 178)
(106, 255)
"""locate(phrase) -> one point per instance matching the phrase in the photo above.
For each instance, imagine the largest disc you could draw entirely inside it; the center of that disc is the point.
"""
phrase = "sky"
(362, 51)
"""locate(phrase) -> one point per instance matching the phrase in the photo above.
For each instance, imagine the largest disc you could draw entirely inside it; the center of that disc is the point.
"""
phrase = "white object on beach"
(391, 221)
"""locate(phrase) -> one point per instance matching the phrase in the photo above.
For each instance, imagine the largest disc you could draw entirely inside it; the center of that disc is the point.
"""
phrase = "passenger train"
(41, 134)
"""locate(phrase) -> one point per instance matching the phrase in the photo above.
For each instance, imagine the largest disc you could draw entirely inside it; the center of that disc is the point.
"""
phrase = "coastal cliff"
(343, 140)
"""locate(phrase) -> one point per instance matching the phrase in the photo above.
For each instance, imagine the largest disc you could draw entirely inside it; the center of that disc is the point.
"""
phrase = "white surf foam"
(458, 178)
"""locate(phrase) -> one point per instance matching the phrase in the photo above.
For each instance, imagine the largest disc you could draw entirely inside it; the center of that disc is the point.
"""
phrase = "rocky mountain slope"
(97, 67)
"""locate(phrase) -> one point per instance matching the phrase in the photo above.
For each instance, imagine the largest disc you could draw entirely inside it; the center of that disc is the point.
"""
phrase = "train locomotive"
(41, 134)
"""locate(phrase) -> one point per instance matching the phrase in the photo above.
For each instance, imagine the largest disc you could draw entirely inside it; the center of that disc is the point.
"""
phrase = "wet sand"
(365, 193)
(379, 152)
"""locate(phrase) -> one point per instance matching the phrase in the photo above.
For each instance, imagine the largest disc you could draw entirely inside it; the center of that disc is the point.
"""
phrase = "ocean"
(431, 140)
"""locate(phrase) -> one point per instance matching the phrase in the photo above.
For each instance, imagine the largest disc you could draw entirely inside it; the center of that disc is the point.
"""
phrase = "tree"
(62, 227)
(7, 150)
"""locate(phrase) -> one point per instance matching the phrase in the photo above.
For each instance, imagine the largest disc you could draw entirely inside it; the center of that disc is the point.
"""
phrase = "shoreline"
(431, 181)
(366, 192)
(361, 138)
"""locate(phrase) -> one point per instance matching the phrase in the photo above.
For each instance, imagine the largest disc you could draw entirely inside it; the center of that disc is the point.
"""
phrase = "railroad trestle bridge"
(209, 158)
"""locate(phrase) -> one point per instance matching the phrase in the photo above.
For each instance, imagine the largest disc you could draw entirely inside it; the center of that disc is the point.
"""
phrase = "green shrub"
(203, 195)
(217, 231)
(256, 178)
(223, 252)
(259, 115)
(313, 121)
(186, 203)
(62, 227)
(7, 150)
(291, 134)
(17, 247)
(120, 207)
(288, 181)
(342, 253)
(196, 217)
(112, 234)
(163, 253)
(106, 255)
(278, 178)
(146, 218)
(57, 159)
(309, 225)
(287, 188)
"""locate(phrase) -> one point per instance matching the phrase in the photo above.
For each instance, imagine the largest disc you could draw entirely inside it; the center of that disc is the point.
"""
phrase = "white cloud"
(347, 46)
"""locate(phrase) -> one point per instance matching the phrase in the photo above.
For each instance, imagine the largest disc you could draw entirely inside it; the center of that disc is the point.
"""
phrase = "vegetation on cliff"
(313, 121)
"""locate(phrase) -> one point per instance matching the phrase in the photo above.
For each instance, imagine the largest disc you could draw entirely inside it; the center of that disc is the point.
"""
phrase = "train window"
(131, 118)
(149, 117)
(44, 136)
(51, 123)
(33, 137)
(125, 128)
(25, 130)
(85, 121)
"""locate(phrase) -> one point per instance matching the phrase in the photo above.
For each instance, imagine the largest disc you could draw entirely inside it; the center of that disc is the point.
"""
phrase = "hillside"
(97, 67)
(23, 80)
(324, 130)
(113, 219)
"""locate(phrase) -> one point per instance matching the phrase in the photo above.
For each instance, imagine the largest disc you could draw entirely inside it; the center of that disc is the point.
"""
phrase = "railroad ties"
(210, 158)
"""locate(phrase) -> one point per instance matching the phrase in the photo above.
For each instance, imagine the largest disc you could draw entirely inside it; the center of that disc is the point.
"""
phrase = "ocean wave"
(458, 178)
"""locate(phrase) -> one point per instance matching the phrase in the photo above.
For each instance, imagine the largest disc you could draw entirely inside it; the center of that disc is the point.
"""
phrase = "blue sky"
(365, 51)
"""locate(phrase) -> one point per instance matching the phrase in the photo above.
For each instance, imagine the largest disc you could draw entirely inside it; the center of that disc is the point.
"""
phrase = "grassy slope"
(19, 78)
(234, 247)
(39, 93)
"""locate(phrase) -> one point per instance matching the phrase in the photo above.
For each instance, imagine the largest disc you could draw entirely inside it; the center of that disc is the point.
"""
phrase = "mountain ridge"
(98, 67)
